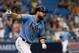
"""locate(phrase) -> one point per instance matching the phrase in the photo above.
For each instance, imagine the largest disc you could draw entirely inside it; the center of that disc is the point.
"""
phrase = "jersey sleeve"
(42, 30)
(25, 17)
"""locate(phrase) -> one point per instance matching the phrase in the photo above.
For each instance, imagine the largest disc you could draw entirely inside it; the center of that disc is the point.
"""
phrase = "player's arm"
(42, 37)
(15, 15)
(24, 17)
(43, 42)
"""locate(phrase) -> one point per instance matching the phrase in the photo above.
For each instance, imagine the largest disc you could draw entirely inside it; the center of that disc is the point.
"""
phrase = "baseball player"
(65, 35)
(32, 27)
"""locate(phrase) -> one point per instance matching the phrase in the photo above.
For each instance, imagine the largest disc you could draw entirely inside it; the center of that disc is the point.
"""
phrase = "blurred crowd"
(55, 23)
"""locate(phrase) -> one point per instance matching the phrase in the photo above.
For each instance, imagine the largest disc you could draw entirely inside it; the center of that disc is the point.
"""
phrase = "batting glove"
(8, 12)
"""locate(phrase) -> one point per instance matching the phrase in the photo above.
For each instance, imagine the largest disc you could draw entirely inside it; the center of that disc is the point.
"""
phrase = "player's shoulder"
(27, 15)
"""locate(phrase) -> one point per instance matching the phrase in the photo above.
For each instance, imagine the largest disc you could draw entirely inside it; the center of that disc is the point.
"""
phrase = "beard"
(40, 17)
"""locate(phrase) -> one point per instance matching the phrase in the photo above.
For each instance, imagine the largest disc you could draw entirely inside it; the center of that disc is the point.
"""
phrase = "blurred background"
(61, 14)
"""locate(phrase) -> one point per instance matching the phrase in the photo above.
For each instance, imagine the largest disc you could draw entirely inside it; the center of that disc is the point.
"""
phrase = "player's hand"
(44, 46)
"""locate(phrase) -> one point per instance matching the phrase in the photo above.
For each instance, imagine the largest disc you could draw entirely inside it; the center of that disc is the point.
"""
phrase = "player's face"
(41, 15)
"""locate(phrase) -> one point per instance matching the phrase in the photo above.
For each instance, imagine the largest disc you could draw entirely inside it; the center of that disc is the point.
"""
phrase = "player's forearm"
(15, 15)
